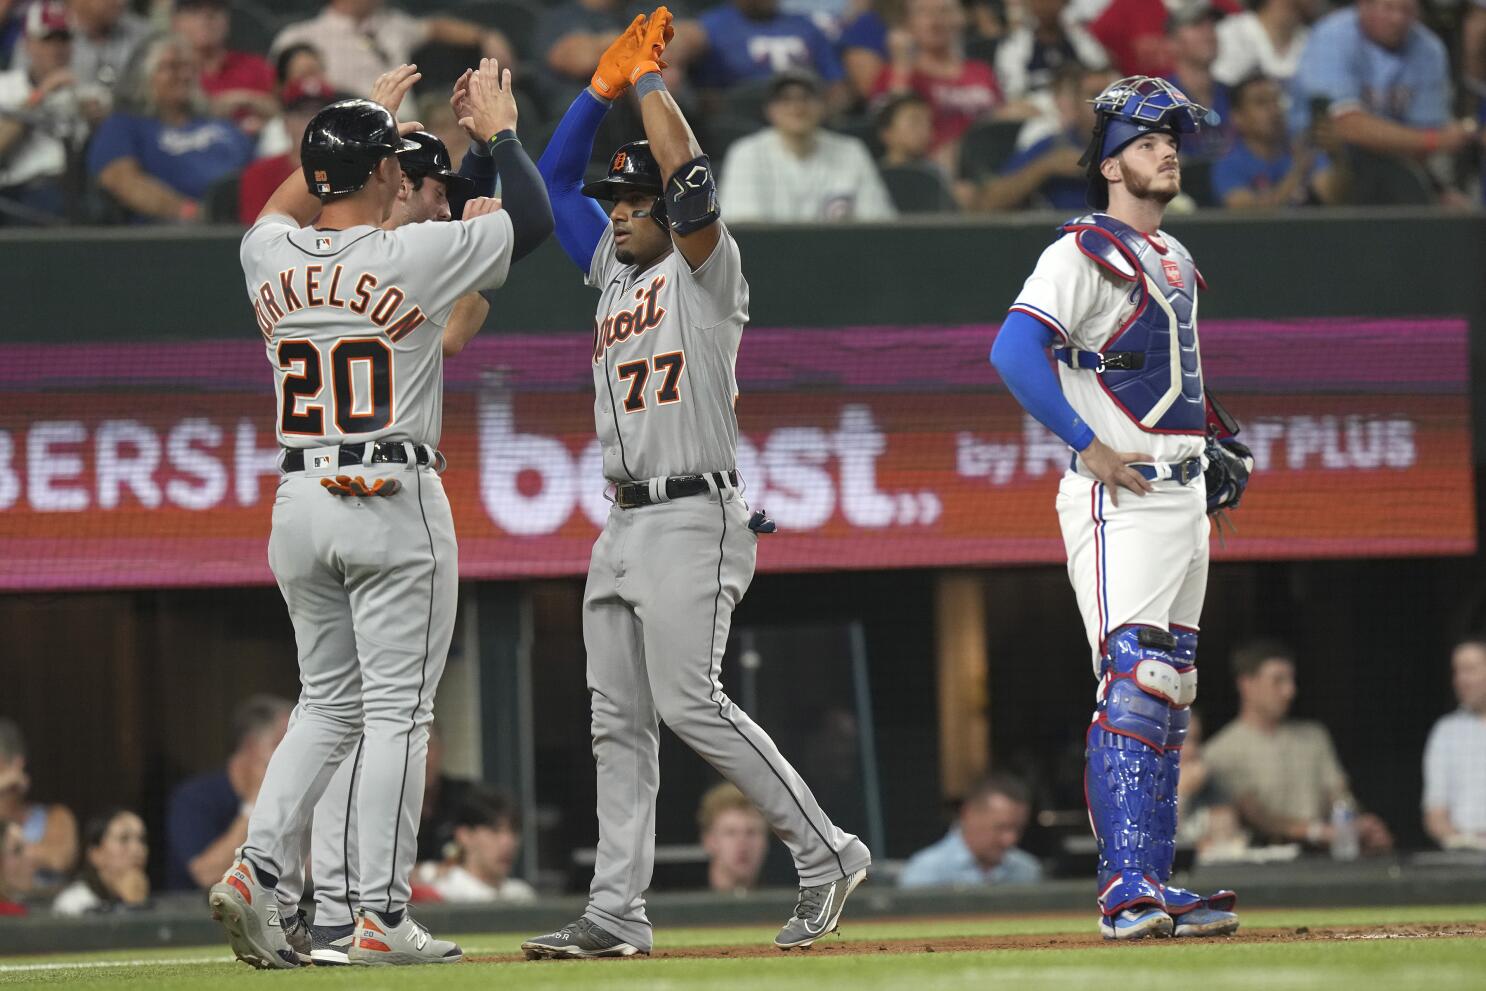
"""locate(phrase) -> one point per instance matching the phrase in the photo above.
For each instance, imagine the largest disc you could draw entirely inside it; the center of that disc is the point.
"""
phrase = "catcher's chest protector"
(1164, 395)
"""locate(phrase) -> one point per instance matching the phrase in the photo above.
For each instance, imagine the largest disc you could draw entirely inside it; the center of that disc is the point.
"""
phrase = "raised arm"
(690, 186)
(493, 113)
(580, 220)
(293, 197)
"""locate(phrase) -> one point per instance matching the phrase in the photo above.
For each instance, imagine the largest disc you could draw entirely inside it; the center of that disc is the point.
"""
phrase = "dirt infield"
(1061, 941)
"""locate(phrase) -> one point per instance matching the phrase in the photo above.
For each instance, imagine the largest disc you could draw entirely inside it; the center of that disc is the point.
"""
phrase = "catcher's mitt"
(1229, 465)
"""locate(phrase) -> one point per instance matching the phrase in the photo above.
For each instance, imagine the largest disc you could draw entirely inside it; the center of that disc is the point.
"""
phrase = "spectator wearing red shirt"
(239, 86)
(927, 57)
(303, 98)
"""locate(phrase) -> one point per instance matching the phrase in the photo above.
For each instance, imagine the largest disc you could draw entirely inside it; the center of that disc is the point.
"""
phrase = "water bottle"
(1344, 841)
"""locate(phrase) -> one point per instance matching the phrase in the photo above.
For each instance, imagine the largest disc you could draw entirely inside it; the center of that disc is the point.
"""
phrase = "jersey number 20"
(637, 373)
(303, 411)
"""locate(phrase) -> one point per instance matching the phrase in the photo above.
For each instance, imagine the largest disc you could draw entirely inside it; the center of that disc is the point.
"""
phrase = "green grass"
(1353, 965)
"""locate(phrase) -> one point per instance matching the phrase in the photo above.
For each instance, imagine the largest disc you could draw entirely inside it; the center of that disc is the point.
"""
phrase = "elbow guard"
(691, 197)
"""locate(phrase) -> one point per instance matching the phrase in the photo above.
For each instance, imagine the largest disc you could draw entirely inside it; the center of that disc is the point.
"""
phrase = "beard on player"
(1150, 170)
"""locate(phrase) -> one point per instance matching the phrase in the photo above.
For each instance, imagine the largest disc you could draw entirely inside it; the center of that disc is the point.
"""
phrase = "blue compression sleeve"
(580, 220)
(1020, 355)
(479, 168)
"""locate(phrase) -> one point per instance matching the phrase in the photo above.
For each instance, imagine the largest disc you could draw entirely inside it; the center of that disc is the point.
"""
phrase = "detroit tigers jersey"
(1085, 306)
(353, 321)
(665, 345)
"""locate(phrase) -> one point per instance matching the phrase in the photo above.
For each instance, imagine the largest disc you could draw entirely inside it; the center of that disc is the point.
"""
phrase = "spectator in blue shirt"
(1045, 172)
(750, 40)
(980, 848)
(206, 818)
(1260, 169)
(1384, 79)
(160, 161)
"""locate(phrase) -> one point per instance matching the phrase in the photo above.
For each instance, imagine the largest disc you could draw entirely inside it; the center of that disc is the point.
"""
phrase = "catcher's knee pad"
(1140, 684)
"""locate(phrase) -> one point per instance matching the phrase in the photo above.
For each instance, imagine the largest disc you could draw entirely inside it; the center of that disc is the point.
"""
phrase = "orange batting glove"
(612, 76)
(345, 485)
(658, 34)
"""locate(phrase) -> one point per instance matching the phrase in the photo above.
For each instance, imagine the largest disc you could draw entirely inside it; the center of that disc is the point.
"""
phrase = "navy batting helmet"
(431, 158)
(633, 169)
(343, 144)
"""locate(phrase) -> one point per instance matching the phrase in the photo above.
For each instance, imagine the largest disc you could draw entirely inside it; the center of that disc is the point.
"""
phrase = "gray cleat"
(818, 911)
(330, 944)
(297, 935)
(576, 941)
(250, 914)
(377, 942)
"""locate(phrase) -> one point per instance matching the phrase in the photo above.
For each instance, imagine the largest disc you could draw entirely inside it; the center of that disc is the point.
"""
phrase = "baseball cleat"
(1195, 915)
(1135, 923)
(297, 935)
(377, 942)
(818, 911)
(1204, 921)
(579, 940)
(330, 944)
(249, 913)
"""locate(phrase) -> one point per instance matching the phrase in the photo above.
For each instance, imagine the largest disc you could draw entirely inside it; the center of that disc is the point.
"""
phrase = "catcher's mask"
(1132, 107)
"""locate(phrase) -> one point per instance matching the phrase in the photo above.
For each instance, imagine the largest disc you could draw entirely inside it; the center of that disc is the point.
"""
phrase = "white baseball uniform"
(1143, 561)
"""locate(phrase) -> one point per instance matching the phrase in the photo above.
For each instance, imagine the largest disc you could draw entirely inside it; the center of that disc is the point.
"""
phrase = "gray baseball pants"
(371, 586)
(662, 585)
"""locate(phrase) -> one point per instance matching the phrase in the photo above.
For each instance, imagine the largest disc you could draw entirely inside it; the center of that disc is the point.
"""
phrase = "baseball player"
(677, 551)
(1116, 299)
(429, 186)
(362, 544)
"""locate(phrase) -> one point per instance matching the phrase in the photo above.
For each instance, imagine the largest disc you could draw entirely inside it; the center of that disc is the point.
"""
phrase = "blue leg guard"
(1194, 914)
(1184, 660)
(1127, 769)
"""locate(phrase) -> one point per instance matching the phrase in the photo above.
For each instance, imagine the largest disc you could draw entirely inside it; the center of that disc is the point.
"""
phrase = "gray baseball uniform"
(664, 579)
(353, 322)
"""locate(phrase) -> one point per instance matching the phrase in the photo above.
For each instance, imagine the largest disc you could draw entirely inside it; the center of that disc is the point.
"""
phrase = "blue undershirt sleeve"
(580, 220)
(1020, 356)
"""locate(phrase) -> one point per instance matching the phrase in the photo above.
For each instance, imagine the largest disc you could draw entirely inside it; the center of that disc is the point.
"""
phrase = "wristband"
(1431, 141)
(189, 210)
(647, 79)
(501, 137)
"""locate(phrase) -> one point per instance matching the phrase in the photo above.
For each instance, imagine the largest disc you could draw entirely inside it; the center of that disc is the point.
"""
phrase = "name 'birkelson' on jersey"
(320, 285)
(353, 321)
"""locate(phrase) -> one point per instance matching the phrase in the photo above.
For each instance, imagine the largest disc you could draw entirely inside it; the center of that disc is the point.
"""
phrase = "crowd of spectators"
(815, 110)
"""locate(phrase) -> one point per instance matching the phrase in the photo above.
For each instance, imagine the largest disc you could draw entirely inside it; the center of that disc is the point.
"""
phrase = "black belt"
(352, 454)
(1181, 472)
(631, 495)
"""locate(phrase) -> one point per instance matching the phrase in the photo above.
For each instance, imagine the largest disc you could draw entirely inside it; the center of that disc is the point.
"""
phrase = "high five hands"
(636, 51)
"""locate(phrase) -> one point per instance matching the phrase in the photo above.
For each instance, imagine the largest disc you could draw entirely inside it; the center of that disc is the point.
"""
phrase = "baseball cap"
(793, 77)
(309, 93)
(1189, 13)
(47, 19)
